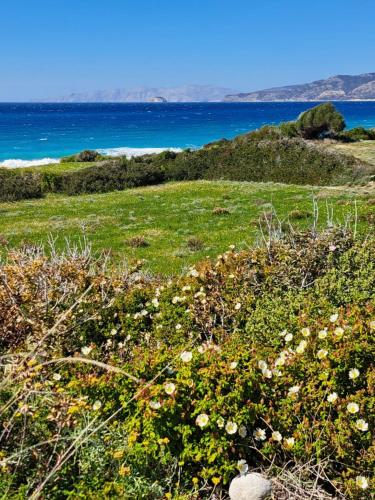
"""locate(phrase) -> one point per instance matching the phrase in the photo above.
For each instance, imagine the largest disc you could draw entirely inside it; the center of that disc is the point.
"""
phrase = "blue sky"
(54, 47)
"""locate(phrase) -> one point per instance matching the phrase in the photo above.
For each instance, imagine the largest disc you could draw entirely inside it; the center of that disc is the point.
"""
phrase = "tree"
(320, 121)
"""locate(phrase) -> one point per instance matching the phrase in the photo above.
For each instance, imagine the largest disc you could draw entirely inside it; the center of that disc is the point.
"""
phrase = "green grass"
(168, 215)
(57, 168)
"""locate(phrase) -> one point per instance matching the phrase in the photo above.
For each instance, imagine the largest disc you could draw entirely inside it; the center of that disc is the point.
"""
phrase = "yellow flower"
(168, 495)
(216, 480)
(352, 408)
(361, 482)
(323, 334)
(289, 442)
(353, 373)
(231, 427)
(361, 425)
(202, 420)
(301, 347)
(195, 481)
(276, 436)
(124, 471)
(97, 405)
(331, 398)
(118, 454)
(305, 332)
(322, 353)
(339, 332)
(169, 388)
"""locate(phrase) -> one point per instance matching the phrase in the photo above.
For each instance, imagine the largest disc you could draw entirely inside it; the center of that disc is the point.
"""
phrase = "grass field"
(176, 221)
(364, 150)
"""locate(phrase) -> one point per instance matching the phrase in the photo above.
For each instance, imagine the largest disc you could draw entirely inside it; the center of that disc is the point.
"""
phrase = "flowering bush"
(121, 386)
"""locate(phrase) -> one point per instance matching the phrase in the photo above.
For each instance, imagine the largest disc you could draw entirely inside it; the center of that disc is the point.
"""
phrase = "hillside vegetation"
(118, 386)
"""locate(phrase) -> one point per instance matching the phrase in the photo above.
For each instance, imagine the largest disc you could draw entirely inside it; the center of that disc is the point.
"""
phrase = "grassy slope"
(56, 168)
(364, 150)
(167, 216)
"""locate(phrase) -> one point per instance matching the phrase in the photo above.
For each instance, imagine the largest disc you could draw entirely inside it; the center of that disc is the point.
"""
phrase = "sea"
(35, 134)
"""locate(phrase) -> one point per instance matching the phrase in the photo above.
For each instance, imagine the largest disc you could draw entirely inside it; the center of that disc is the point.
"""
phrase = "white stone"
(251, 486)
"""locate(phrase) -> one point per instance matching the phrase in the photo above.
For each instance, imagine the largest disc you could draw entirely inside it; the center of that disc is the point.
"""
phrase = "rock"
(251, 486)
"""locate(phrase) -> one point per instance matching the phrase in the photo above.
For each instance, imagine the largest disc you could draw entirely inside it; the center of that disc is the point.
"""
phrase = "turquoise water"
(40, 131)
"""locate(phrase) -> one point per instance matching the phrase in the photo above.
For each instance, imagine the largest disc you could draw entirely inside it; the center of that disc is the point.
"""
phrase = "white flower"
(233, 365)
(276, 436)
(242, 431)
(231, 427)
(332, 248)
(259, 434)
(352, 408)
(86, 350)
(113, 331)
(237, 306)
(155, 405)
(280, 361)
(186, 356)
(96, 405)
(155, 302)
(372, 325)
(289, 442)
(169, 388)
(56, 376)
(353, 373)
(301, 347)
(242, 467)
(178, 326)
(288, 337)
(333, 318)
(202, 420)
(220, 422)
(361, 482)
(322, 353)
(361, 425)
(339, 332)
(262, 365)
(323, 334)
(293, 390)
(331, 398)
(193, 272)
(267, 373)
(305, 332)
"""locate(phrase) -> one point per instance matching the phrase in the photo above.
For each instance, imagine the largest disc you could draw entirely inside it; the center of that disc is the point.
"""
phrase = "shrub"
(194, 244)
(356, 134)
(87, 156)
(264, 356)
(137, 242)
(220, 211)
(319, 121)
(18, 186)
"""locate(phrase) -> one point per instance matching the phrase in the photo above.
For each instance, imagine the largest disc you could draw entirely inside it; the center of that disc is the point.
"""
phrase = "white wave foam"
(28, 163)
(131, 152)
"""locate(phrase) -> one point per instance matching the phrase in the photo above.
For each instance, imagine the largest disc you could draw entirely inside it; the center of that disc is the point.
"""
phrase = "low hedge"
(17, 186)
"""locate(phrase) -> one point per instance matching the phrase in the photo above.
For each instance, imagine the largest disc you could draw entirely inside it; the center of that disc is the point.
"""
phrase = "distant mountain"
(186, 93)
(335, 88)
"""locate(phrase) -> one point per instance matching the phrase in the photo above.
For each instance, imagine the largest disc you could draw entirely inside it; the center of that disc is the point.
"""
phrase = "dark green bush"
(110, 176)
(18, 186)
(319, 121)
(356, 134)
